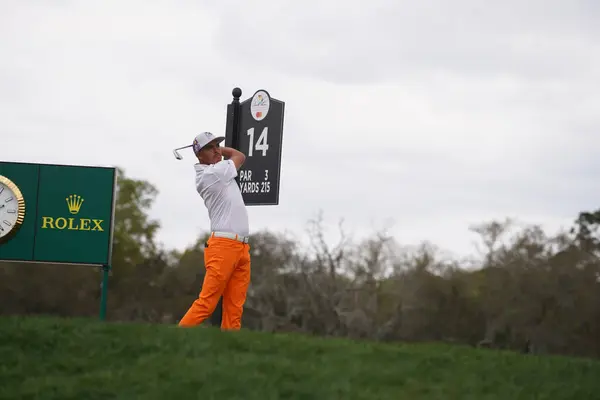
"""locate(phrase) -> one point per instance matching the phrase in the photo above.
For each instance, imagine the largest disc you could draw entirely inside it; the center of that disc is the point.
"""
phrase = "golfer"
(227, 255)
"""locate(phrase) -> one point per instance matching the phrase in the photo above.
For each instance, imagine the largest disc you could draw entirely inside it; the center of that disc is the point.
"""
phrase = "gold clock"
(12, 209)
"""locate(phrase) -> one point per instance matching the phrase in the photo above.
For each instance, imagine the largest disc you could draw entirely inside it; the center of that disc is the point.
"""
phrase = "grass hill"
(53, 358)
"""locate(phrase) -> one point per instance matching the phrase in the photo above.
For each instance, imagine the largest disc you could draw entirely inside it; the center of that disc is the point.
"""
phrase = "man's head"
(207, 149)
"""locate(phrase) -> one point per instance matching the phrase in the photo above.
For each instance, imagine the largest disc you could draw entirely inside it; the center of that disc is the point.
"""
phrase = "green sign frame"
(58, 214)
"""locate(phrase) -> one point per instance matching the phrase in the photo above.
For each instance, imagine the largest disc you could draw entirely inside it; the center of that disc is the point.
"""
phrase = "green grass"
(51, 358)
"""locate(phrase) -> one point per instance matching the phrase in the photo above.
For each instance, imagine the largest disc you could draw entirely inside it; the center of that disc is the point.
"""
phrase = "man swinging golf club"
(227, 255)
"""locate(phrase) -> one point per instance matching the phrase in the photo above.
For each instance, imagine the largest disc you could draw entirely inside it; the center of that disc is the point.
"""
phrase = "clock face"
(12, 209)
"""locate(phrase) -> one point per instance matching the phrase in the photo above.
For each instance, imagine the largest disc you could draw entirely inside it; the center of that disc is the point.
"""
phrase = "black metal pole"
(237, 93)
(232, 139)
(235, 128)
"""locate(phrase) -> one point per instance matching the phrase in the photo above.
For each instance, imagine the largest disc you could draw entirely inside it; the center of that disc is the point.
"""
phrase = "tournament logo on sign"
(259, 107)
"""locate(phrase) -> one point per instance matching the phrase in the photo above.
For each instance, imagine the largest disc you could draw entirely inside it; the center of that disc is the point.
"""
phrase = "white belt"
(233, 236)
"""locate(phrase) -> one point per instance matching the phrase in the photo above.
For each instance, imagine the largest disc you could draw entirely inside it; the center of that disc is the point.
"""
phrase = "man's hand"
(236, 156)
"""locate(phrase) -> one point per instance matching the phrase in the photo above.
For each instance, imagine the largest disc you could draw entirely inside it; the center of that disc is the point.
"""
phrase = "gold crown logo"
(74, 203)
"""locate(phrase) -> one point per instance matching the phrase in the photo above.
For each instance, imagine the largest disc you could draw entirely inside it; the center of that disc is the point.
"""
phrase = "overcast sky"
(432, 114)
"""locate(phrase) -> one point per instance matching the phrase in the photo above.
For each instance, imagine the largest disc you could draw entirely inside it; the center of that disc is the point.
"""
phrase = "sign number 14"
(261, 143)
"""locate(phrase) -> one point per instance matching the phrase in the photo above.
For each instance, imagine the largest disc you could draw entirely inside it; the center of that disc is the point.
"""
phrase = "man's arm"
(234, 155)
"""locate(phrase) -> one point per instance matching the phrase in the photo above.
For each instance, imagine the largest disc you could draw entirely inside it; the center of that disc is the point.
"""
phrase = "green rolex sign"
(68, 215)
(57, 213)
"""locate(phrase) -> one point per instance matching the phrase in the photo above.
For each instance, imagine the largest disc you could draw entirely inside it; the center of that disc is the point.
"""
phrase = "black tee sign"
(260, 139)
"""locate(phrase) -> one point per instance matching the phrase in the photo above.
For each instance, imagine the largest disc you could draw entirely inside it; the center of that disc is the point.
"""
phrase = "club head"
(176, 152)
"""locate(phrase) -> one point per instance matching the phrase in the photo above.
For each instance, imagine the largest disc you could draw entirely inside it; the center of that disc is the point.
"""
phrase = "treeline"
(529, 291)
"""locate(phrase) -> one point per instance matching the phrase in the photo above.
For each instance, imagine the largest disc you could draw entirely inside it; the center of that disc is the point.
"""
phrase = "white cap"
(205, 138)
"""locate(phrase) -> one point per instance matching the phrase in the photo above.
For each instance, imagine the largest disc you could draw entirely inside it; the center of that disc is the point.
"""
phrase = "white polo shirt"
(217, 186)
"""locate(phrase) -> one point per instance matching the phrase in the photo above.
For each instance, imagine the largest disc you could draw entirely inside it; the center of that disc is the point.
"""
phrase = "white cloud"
(436, 115)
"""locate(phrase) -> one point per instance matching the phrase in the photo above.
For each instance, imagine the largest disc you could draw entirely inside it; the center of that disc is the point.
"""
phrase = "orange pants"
(227, 264)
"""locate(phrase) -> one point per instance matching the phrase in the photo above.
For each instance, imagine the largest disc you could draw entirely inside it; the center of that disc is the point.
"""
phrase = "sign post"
(58, 214)
(255, 127)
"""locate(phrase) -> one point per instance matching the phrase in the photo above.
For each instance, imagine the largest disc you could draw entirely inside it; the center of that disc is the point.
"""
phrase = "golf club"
(176, 153)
